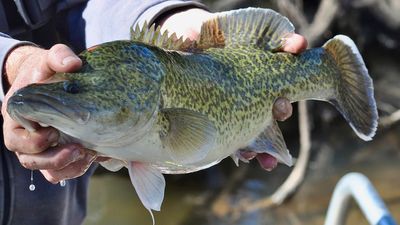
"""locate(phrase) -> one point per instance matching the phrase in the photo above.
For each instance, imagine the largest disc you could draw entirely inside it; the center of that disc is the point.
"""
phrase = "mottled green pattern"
(236, 88)
(113, 76)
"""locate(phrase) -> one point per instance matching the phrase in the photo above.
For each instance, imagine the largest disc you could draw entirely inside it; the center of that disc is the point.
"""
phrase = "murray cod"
(158, 104)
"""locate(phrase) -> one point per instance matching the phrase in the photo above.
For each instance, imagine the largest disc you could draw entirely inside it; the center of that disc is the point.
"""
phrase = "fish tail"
(355, 92)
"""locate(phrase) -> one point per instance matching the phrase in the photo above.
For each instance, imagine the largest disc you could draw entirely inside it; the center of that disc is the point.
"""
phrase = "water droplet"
(32, 187)
(63, 183)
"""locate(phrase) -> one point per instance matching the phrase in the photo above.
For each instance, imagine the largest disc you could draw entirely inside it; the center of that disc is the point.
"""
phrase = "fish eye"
(71, 87)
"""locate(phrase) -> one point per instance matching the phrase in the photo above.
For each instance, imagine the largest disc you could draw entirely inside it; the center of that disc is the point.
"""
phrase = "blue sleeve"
(6, 44)
(109, 20)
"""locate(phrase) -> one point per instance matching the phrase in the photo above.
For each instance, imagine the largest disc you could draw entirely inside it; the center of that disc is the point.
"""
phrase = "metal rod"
(358, 186)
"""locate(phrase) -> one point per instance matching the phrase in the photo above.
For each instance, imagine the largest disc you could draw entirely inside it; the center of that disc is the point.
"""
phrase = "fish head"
(90, 106)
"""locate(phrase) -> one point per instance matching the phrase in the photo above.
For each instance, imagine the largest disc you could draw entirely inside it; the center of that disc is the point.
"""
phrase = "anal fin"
(271, 141)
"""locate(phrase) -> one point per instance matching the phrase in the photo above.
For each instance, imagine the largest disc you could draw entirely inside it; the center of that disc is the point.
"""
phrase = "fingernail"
(67, 60)
(53, 138)
(54, 144)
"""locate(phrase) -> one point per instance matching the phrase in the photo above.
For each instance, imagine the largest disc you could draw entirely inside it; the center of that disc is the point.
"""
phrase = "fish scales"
(236, 88)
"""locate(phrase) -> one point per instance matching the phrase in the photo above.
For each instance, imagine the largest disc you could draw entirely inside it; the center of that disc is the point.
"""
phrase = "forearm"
(117, 17)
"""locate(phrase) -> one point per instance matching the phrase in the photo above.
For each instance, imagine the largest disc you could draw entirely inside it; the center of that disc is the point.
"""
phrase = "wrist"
(15, 58)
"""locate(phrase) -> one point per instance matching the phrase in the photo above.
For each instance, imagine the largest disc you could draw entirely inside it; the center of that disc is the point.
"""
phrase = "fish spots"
(236, 87)
(71, 87)
(132, 97)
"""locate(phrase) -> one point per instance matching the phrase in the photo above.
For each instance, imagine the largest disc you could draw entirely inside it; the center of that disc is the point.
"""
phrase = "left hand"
(39, 149)
(187, 23)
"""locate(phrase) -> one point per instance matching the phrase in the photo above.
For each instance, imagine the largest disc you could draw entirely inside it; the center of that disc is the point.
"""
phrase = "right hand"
(39, 150)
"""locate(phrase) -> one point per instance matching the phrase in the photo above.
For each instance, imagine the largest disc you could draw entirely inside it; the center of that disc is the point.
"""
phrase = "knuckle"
(37, 145)
(33, 144)
(57, 48)
(10, 145)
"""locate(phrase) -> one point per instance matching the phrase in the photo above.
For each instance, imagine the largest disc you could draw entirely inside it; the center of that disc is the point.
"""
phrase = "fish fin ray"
(152, 35)
(355, 100)
(186, 134)
(254, 27)
(271, 141)
(235, 158)
(149, 184)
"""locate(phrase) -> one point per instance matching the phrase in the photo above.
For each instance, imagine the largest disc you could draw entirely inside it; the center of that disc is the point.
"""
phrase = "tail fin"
(355, 99)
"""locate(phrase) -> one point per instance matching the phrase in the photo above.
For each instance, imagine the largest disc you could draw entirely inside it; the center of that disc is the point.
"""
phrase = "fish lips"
(27, 105)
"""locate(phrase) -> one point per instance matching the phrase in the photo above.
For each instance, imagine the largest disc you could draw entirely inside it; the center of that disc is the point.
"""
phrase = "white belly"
(149, 149)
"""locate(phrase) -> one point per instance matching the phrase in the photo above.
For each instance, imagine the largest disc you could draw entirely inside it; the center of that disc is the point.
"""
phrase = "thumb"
(60, 58)
(295, 44)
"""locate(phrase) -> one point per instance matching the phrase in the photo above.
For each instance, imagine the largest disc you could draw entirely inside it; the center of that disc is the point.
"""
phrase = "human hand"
(38, 148)
(187, 23)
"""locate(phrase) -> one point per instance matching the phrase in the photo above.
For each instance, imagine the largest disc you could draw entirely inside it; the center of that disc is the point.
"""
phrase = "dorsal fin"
(153, 36)
(252, 27)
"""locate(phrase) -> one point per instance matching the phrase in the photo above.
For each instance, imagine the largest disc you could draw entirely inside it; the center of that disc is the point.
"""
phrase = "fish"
(158, 104)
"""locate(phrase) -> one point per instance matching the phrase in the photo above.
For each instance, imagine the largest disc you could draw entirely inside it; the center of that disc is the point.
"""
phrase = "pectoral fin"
(271, 141)
(187, 135)
(149, 184)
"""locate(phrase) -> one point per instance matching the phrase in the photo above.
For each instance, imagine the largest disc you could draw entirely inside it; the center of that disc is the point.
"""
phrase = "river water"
(192, 199)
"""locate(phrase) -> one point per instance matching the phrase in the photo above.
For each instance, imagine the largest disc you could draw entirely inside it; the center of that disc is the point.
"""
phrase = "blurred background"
(226, 194)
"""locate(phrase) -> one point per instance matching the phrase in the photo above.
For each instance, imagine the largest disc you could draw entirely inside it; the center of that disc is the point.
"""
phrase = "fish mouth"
(28, 105)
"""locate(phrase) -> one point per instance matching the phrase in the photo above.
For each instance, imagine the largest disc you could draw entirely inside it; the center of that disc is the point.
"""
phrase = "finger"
(295, 44)
(267, 161)
(54, 158)
(18, 139)
(73, 170)
(60, 58)
(282, 109)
